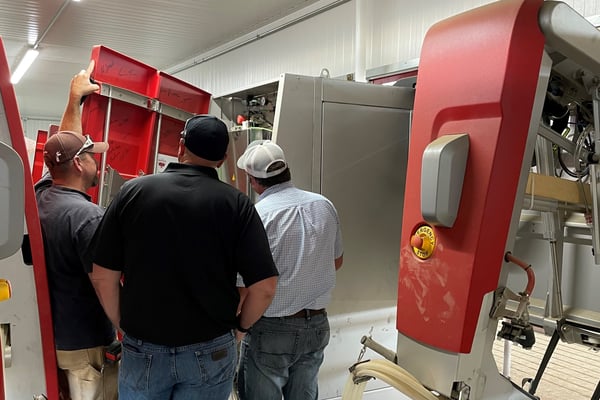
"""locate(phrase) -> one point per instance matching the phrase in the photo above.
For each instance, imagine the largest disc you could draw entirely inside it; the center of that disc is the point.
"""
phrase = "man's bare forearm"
(338, 262)
(257, 300)
(107, 284)
(80, 86)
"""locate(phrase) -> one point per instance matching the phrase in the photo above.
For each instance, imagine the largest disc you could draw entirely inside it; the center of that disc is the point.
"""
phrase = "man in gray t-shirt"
(69, 220)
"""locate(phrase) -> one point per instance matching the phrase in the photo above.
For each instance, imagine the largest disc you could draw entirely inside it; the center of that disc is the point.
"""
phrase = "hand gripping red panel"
(124, 72)
(478, 73)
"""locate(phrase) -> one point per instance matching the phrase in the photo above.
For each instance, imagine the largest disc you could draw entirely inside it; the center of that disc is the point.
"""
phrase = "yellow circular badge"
(423, 242)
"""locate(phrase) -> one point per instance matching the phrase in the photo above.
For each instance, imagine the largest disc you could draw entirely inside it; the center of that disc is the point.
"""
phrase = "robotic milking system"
(469, 205)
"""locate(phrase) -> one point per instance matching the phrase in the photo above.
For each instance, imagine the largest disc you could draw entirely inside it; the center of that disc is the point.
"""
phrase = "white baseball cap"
(259, 156)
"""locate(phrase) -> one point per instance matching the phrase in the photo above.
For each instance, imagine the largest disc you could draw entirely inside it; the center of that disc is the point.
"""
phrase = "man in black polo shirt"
(180, 238)
(68, 220)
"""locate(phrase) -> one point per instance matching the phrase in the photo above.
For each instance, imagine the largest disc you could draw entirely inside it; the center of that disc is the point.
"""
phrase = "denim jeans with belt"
(197, 371)
(281, 357)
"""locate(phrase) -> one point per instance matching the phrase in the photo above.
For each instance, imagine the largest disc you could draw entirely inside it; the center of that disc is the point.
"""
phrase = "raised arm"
(80, 86)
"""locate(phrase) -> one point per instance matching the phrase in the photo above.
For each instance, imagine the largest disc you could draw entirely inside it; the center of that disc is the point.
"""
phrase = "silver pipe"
(556, 311)
(594, 176)
(52, 22)
(158, 126)
(104, 139)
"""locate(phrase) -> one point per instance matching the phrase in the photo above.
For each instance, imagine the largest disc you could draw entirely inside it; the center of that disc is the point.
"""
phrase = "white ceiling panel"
(160, 33)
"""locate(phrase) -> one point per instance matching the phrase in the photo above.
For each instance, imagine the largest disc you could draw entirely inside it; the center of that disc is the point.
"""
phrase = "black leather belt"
(306, 313)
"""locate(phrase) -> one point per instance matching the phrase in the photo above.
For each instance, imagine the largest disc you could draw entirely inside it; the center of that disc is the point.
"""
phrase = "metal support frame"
(112, 92)
(545, 360)
(594, 178)
(566, 144)
(149, 103)
(553, 230)
(596, 395)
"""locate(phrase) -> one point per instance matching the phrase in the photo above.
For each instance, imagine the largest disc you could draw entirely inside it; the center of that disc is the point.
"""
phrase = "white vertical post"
(360, 71)
(507, 358)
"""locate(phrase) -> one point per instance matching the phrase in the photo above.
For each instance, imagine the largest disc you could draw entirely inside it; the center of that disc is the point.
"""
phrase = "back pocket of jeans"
(135, 368)
(276, 349)
(218, 365)
(322, 337)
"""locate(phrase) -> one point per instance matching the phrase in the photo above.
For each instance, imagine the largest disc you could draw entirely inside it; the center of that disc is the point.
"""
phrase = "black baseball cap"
(206, 136)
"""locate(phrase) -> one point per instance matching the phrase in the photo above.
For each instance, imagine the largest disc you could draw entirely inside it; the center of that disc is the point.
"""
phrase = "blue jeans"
(281, 357)
(197, 371)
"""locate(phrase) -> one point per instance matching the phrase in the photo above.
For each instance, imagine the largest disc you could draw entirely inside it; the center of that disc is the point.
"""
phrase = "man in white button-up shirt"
(283, 351)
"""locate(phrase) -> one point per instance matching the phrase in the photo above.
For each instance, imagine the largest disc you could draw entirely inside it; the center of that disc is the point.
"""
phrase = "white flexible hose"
(388, 372)
(353, 391)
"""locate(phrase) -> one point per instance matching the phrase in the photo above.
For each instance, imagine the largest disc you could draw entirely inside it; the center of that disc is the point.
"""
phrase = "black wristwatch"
(238, 326)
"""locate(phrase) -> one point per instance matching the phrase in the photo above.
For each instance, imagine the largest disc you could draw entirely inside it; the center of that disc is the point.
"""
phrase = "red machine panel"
(170, 133)
(486, 89)
(17, 138)
(183, 96)
(121, 71)
(131, 127)
(132, 130)
(38, 157)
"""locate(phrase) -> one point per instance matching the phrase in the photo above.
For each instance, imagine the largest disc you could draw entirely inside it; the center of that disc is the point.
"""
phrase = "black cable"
(564, 167)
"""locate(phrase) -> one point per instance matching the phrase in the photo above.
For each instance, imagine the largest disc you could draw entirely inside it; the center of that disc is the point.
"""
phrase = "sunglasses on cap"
(185, 126)
(88, 144)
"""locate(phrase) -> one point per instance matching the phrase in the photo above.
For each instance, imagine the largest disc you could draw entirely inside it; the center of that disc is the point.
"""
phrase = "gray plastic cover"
(442, 175)
(12, 201)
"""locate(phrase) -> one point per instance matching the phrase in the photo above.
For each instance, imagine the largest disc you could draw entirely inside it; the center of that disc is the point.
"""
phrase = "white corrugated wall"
(31, 126)
(392, 31)
(323, 41)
